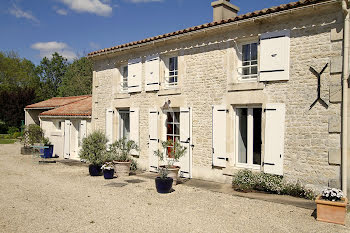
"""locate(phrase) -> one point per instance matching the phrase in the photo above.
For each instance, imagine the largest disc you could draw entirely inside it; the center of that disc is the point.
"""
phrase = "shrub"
(12, 130)
(16, 135)
(3, 127)
(32, 134)
(246, 180)
(120, 150)
(94, 148)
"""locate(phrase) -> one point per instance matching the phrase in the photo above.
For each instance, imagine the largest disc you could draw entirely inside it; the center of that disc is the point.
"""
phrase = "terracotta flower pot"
(122, 168)
(331, 211)
(173, 173)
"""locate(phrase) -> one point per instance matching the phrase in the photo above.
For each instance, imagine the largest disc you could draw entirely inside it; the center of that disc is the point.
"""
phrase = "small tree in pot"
(94, 151)
(120, 151)
(172, 152)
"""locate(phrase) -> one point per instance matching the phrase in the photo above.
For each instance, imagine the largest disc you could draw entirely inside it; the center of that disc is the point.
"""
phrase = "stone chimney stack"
(223, 9)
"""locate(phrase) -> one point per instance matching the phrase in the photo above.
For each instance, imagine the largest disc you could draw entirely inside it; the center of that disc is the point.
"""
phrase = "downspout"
(345, 96)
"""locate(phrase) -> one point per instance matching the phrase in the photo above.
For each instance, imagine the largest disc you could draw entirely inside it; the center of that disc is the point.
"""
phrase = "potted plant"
(163, 182)
(120, 151)
(93, 151)
(47, 153)
(32, 134)
(331, 206)
(172, 152)
(108, 170)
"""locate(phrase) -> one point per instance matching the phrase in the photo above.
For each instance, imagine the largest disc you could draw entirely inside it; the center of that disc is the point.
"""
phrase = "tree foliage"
(77, 79)
(16, 72)
(12, 103)
(51, 72)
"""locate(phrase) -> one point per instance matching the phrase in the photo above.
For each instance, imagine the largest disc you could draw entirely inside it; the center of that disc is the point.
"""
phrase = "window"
(171, 76)
(248, 137)
(124, 79)
(249, 62)
(124, 124)
(173, 128)
(59, 125)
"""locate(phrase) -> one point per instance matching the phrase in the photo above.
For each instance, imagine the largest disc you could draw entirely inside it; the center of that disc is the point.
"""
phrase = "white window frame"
(123, 79)
(121, 122)
(250, 135)
(240, 68)
(168, 72)
(172, 112)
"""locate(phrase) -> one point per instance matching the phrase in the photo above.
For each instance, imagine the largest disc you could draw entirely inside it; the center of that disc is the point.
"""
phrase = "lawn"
(7, 141)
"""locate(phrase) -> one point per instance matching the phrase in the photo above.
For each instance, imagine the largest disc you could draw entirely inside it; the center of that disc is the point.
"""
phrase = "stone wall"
(207, 64)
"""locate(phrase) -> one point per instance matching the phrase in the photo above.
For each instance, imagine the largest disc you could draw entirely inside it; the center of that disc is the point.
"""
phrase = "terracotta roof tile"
(57, 102)
(81, 107)
(257, 13)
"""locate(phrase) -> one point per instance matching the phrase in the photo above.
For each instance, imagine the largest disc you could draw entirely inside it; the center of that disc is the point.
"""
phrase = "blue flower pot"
(108, 174)
(47, 152)
(164, 185)
(94, 170)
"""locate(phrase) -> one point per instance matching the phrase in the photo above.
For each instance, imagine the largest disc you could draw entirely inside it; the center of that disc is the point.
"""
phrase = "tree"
(77, 79)
(16, 72)
(51, 72)
(12, 103)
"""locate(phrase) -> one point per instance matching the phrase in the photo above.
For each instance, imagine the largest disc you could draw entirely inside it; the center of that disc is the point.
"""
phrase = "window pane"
(254, 70)
(257, 136)
(170, 128)
(177, 117)
(245, 71)
(246, 52)
(169, 117)
(242, 135)
(254, 51)
(177, 129)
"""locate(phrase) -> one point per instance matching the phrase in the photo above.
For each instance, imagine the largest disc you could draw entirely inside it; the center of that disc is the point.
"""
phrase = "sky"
(37, 28)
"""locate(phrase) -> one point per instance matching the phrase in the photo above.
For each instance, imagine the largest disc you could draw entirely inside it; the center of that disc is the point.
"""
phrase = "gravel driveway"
(60, 198)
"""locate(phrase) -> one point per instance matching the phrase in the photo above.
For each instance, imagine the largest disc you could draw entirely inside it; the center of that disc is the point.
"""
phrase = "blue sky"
(37, 28)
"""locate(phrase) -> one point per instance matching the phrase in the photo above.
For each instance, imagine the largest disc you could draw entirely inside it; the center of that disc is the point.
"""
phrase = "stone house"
(64, 120)
(239, 92)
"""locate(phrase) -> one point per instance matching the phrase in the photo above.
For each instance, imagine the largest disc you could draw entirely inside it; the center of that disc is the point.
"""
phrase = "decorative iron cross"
(318, 75)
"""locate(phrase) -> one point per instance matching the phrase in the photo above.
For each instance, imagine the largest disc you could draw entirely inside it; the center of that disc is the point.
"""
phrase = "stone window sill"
(245, 86)
(122, 96)
(172, 91)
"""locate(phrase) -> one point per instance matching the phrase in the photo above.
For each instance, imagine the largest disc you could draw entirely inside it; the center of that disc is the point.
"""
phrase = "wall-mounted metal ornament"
(318, 75)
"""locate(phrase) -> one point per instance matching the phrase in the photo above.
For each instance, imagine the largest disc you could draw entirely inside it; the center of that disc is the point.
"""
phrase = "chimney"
(223, 9)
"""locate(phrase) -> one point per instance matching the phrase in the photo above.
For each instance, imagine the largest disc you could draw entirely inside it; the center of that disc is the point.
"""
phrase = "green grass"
(7, 141)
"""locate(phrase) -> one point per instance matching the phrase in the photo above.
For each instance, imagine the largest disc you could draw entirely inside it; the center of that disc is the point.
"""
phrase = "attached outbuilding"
(65, 125)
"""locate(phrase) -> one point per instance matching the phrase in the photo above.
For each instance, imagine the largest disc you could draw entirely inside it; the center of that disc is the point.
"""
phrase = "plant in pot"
(47, 153)
(108, 170)
(120, 151)
(31, 134)
(93, 150)
(171, 153)
(331, 206)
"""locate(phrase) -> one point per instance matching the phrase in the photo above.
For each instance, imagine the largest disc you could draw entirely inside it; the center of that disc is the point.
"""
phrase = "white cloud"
(91, 6)
(141, 1)
(61, 12)
(46, 49)
(19, 13)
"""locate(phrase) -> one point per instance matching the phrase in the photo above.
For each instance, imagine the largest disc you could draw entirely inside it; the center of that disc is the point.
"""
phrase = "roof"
(57, 102)
(81, 107)
(262, 12)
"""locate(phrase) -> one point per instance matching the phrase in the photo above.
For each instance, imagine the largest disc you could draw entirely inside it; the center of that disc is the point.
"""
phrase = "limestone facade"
(207, 66)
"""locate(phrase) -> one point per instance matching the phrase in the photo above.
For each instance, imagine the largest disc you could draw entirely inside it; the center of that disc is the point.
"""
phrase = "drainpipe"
(345, 96)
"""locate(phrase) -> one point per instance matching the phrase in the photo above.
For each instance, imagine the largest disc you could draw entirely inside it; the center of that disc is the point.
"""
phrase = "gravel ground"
(60, 198)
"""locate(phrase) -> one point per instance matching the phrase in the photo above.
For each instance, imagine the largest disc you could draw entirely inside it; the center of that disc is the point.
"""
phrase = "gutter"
(345, 8)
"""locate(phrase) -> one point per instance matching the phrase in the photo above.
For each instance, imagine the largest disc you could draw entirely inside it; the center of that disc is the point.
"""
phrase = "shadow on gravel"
(135, 181)
(314, 214)
(116, 185)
